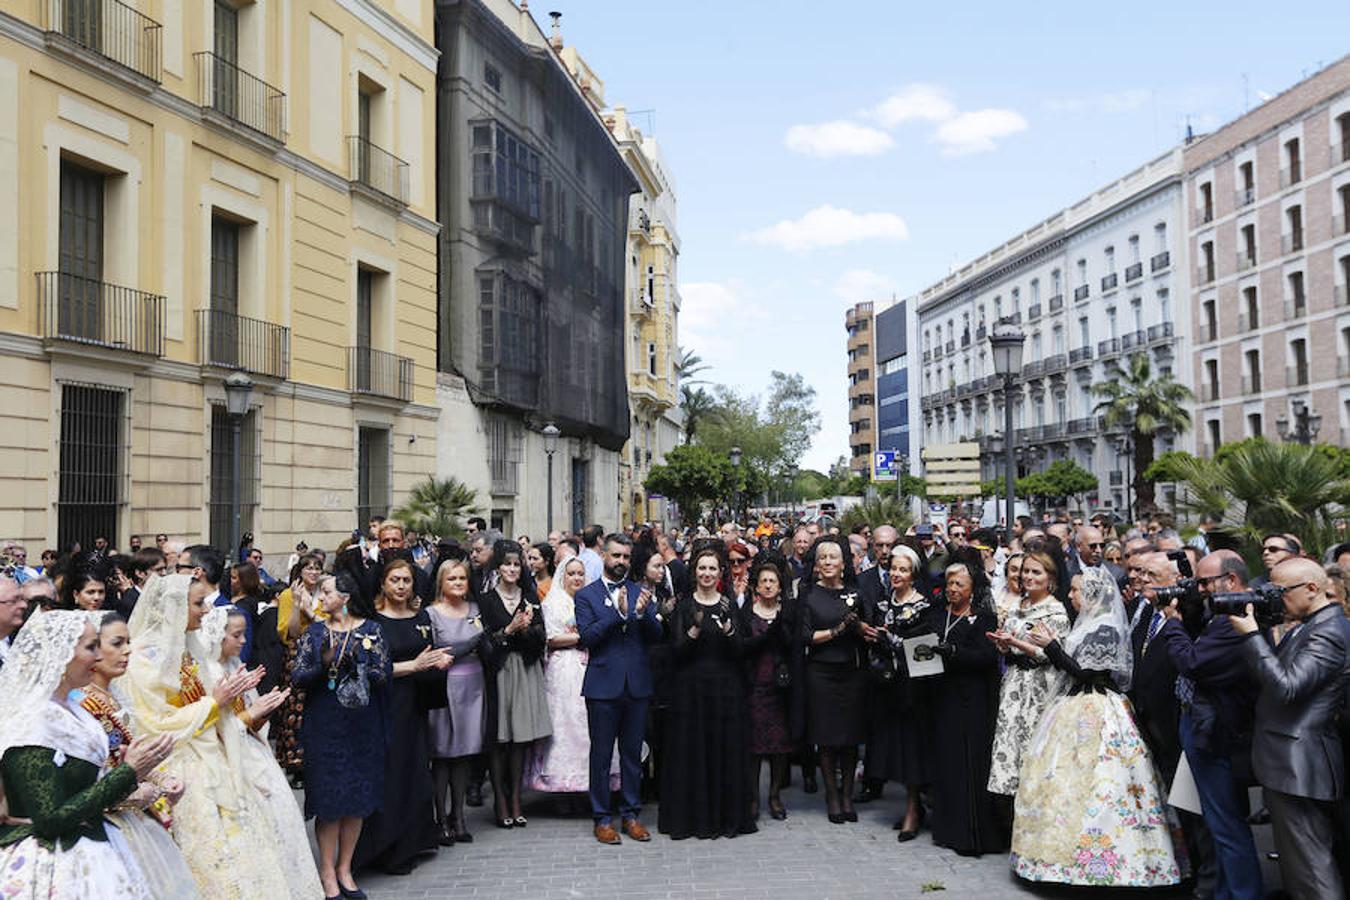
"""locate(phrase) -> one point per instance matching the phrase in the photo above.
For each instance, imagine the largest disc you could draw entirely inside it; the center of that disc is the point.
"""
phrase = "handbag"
(353, 686)
(782, 675)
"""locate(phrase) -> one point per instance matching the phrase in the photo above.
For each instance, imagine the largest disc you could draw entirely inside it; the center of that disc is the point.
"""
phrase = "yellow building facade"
(197, 188)
(652, 317)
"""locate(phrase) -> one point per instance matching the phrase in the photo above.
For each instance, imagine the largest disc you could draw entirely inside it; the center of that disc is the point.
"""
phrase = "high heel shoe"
(446, 837)
(837, 818)
(521, 821)
(850, 815)
(777, 810)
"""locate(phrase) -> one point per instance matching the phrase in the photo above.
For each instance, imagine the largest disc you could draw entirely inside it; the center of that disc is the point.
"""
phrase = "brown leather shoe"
(606, 834)
(635, 830)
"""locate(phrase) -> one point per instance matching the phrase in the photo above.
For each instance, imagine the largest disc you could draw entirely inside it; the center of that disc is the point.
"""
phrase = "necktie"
(1154, 624)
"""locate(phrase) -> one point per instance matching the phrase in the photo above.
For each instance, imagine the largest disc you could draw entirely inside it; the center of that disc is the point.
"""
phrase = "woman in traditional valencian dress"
(225, 839)
(1090, 810)
(144, 818)
(56, 841)
(243, 731)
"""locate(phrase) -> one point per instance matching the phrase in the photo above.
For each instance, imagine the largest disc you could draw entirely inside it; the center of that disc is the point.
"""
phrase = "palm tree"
(687, 365)
(695, 403)
(1134, 398)
(437, 507)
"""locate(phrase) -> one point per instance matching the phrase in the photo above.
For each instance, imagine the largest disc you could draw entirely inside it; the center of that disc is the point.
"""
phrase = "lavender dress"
(457, 730)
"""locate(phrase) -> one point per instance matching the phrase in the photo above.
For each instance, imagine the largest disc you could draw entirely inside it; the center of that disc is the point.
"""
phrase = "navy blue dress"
(343, 747)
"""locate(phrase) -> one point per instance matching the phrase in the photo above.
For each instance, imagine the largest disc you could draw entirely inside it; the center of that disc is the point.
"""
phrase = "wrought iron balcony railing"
(1081, 292)
(1056, 303)
(230, 341)
(86, 311)
(377, 168)
(1160, 332)
(240, 96)
(1109, 282)
(1080, 355)
(379, 374)
(1160, 261)
(1134, 271)
(109, 28)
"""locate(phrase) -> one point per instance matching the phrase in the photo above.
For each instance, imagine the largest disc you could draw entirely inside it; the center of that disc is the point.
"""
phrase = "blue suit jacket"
(617, 647)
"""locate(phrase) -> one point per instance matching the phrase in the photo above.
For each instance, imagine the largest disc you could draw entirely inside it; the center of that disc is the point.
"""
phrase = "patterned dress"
(1028, 687)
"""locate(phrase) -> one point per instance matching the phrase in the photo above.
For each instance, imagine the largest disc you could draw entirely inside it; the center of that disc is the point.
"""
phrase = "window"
(1210, 389)
(1082, 271)
(1056, 283)
(1252, 380)
(1137, 310)
(492, 77)
(1247, 257)
(372, 473)
(1110, 259)
(1134, 248)
(1247, 183)
(1297, 298)
(1206, 262)
(1293, 163)
(80, 312)
(1341, 220)
(998, 308)
(505, 169)
(1036, 346)
(223, 485)
(1035, 290)
(1059, 339)
(651, 358)
(1207, 202)
(91, 487)
(509, 340)
(1061, 408)
(1160, 237)
(1111, 325)
(1341, 153)
(1212, 427)
(1016, 300)
(1293, 238)
(1298, 363)
(1164, 306)
(1249, 317)
(224, 315)
(1084, 332)
(1253, 424)
(1209, 328)
(650, 299)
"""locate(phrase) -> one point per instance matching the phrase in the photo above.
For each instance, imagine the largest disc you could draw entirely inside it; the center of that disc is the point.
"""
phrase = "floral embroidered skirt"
(1090, 808)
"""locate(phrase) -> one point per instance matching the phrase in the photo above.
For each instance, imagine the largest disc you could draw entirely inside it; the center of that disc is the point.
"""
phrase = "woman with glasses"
(298, 607)
(738, 582)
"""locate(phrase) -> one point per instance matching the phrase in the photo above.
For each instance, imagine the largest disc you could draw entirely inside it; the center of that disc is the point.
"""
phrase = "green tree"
(1172, 466)
(695, 403)
(1062, 478)
(1134, 398)
(791, 412)
(1258, 487)
(687, 365)
(692, 475)
(876, 511)
(438, 507)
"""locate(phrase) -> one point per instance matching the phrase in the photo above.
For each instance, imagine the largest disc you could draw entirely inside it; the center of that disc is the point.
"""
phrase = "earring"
(344, 609)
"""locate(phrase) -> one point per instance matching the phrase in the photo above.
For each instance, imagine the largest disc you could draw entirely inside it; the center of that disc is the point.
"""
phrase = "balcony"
(1295, 307)
(239, 96)
(106, 28)
(1030, 435)
(1161, 332)
(1033, 369)
(951, 346)
(989, 442)
(1053, 431)
(1056, 363)
(377, 169)
(1296, 376)
(1244, 197)
(228, 341)
(1109, 282)
(925, 403)
(85, 311)
(1209, 391)
(927, 355)
(1131, 339)
(965, 338)
(1117, 478)
(1033, 312)
(1290, 176)
(1084, 426)
(1056, 303)
(1134, 272)
(1246, 260)
(981, 333)
(1108, 347)
(1204, 216)
(379, 374)
(1204, 274)
(1081, 293)
(1160, 261)
(1080, 355)
(1291, 243)
(1015, 318)
(1251, 383)
(1209, 331)
(965, 390)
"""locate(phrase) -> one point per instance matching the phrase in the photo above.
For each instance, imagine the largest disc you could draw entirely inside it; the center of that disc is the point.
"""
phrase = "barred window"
(91, 478)
(372, 473)
(509, 337)
(223, 485)
(504, 451)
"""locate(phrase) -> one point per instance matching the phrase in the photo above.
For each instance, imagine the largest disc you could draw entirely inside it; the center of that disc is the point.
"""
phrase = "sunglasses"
(738, 561)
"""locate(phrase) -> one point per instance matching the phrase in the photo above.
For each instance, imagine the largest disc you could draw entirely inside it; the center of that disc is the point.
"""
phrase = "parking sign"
(883, 465)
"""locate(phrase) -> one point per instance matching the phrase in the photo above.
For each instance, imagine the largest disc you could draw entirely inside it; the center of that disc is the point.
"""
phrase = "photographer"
(1154, 689)
(1296, 747)
(1217, 696)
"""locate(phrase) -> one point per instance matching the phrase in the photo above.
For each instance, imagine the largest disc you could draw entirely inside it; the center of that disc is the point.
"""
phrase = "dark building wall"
(890, 333)
(533, 200)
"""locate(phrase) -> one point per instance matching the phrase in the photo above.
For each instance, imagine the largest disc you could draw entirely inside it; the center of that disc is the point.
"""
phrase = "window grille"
(92, 465)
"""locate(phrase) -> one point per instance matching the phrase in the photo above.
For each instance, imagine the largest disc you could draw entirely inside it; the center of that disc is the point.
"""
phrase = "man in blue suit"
(616, 620)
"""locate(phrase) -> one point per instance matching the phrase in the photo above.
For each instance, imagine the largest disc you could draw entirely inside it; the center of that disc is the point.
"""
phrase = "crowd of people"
(1092, 699)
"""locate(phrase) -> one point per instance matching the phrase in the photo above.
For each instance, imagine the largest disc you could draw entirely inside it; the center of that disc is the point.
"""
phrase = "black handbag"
(782, 675)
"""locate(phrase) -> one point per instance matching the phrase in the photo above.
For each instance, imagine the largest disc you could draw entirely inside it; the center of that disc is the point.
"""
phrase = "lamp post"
(1125, 447)
(735, 455)
(1006, 342)
(1307, 423)
(238, 394)
(551, 433)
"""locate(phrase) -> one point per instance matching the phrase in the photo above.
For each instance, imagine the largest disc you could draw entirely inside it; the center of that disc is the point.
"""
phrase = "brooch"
(367, 643)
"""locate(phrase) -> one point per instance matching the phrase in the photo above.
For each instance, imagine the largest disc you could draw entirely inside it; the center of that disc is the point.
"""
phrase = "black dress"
(900, 715)
(836, 679)
(405, 824)
(705, 790)
(768, 647)
(964, 704)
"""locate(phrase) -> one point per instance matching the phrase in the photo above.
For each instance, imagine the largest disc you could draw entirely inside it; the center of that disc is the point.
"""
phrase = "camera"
(1267, 602)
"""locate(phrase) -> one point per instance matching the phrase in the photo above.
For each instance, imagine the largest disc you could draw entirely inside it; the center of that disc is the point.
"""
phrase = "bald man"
(1217, 696)
(1154, 685)
(1296, 746)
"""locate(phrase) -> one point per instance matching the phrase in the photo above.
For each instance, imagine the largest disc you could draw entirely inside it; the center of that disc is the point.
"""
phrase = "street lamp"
(238, 394)
(1006, 342)
(735, 455)
(551, 433)
(1307, 423)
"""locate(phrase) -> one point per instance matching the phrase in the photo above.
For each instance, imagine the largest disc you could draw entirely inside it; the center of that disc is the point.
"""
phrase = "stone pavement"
(802, 857)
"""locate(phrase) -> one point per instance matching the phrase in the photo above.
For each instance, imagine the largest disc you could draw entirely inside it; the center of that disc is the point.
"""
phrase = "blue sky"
(829, 153)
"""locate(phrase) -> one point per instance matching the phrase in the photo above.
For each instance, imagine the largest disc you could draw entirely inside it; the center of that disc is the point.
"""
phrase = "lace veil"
(33, 672)
(1100, 637)
(211, 634)
(158, 629)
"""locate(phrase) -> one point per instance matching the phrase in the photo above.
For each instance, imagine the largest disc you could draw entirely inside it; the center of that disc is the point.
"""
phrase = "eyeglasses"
(160, 570)
(1276, 548)
(178, 567)
(738, 561)
(1206, 580)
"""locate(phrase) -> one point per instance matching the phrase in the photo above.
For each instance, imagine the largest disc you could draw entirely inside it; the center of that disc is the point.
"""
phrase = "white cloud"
(857, 285)
(921, 102)
(829, 226)
(976, 131)
(837, 138)
(1109, 102)
(708, 316)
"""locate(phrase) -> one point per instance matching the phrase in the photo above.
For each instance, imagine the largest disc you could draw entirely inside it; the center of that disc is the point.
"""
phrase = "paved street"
(803, 857)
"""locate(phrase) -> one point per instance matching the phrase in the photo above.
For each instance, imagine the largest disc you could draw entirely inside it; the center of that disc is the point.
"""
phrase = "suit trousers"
(623, 719)
(1305, 831)
(1238, 875)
